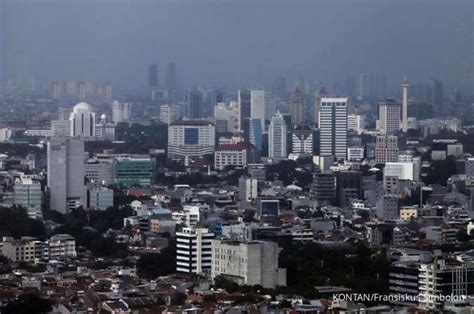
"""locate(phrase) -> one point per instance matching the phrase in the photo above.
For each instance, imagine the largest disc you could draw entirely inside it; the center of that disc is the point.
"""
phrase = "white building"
(355, 153)
(194, 251)
(188, 139)
(5, 134)
(356, 122)
(28, 195)
(277, 137)
(170, 113)
(105, 130)
(302, 141)
(232, 155)
(121, 111)
(401, 170)
(82, 121)
(247, 263)
(389, 117)
(66, 173)
(62, 247)
(333, 127)
(248, 189)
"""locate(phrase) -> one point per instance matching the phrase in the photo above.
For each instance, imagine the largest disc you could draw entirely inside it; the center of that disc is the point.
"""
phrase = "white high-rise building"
(194, 251)
(386, 149)
(66, 173)
(302, 140)
(333, 127)
(170, 113)
(389, 117)
(60, 128)
(248, 189)
(257, 106)
(227, 117)
(277, 137)
(356, 122)
(82, 121)
(405, 104)
(121, 111)
(247, 263)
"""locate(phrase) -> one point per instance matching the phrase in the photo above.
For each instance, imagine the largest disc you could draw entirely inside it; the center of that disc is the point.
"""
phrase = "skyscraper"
(66, 172)
(436, 95)
(405, 105)
(244, 107)
(257, 106)
(389, 117)
(193, 104)
(171, 76)
(82, 120)
(320, 93)
(277, 137)
(153, 76)
(333, 127)
(297, 110)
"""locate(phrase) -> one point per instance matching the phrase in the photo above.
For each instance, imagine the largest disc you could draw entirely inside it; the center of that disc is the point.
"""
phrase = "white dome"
(103, 116)
(82, 106)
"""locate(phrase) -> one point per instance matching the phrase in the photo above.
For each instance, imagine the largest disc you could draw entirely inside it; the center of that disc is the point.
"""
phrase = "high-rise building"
(405, 104)
(318, 95)
(56, 90)
(277, 137)
(60, 128)
(356, 122)
(191, 139)
(244, 107)
(227, 117)
(82, 90)
(29, 196)
(121, 111)
(386, 149)
(66, 173)
(170, 113)
(333, 127)
(171, 84)
(349, 187)
(248, 263)
(389, 117)
(436, 95)
(108, 91)
(248, 188)
(323, 188)
(105, 130)
(253, 133)
(193, 104)
(153, 76)
(134, 170)
(82, 121)
(297, 110)
(238, 155)
(194, 251)
(302, 140)
(257, 106)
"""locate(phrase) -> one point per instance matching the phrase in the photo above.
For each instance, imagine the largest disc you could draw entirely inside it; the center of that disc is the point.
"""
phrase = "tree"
(178, 298)
(152, 265)
(28, 303)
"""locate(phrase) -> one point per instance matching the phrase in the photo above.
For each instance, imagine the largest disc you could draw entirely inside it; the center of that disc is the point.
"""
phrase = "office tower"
(270, 106)
(56, 90)
(170, 113)
(153, 76)
(356, 122)
(108, 91)
(244, 107)
(121, 111)
(82, 121)
(105, 130)
(134, 170)
(318, 95)
(66, 173)
(436, 95)
(171, 84)
(256, 263)
(253, 133)
(82, 90)
(405, 104)
(387, 207)
(389, 117)
(349, 187)
(248, 189)
(297, 110)
(333, 127)
(193, 104)
(100, 171)
(257, 106)
(302, 140)
(209, 101)
(323, 188)
(28, 195)
(237, 155)
(194, 251)
(277, 137)
(386, 149)
(191, 139)
(60, 128)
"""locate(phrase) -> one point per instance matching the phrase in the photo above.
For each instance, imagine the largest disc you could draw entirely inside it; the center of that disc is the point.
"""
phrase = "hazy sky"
(240, 43)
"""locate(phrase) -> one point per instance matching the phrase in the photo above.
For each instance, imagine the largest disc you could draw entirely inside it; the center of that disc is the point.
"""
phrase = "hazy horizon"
(239, 43)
